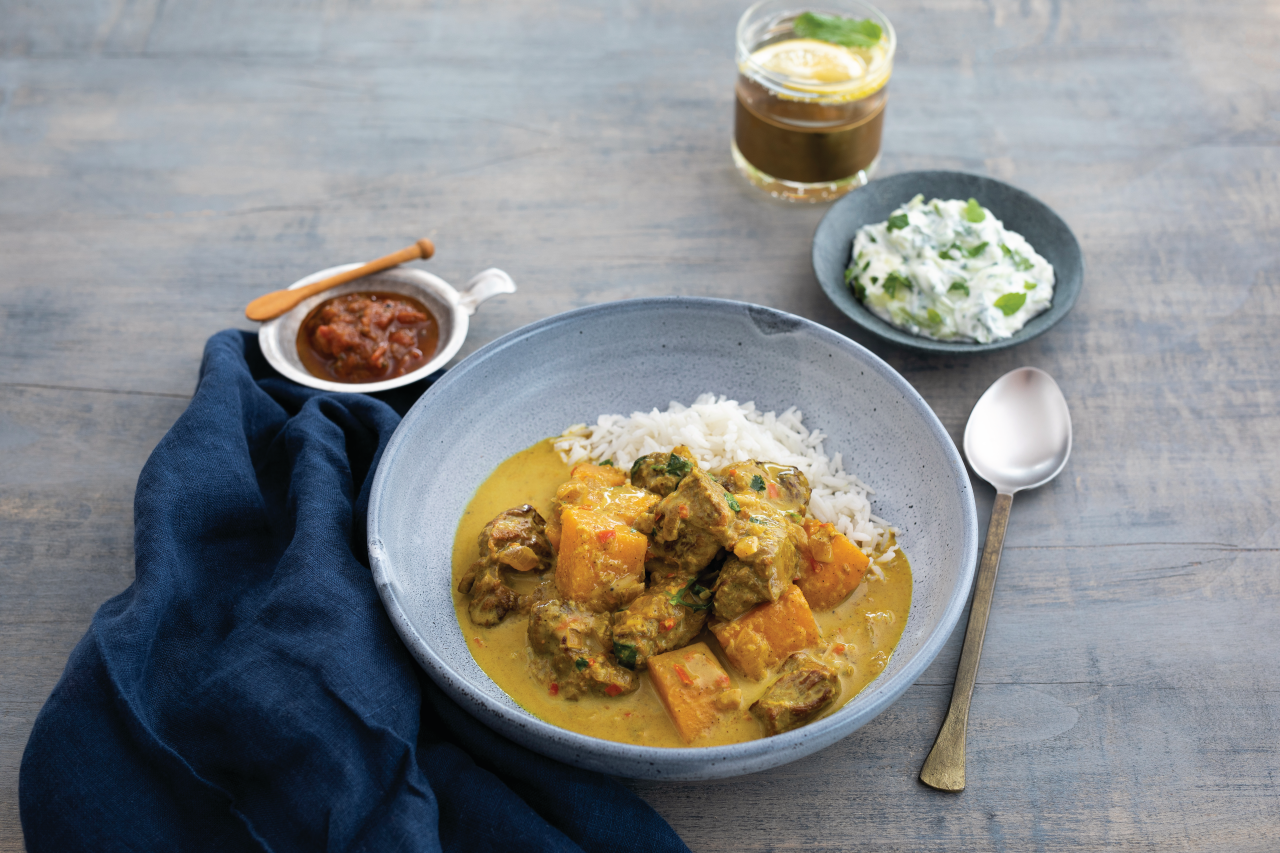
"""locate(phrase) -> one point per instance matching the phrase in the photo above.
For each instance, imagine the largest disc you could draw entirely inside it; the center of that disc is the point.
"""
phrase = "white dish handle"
(489, 283)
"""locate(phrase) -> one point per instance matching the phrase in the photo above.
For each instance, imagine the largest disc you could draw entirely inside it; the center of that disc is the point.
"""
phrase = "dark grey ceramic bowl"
(1019, 211)
(635, 355)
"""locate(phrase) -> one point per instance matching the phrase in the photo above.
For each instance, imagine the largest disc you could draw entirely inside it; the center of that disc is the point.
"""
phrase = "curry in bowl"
(665, 604)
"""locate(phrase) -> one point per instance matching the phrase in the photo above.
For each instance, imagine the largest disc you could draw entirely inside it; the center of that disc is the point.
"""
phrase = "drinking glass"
(809, 112)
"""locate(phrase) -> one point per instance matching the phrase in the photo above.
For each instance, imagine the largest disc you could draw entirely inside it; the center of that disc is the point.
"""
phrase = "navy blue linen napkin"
(248, 692)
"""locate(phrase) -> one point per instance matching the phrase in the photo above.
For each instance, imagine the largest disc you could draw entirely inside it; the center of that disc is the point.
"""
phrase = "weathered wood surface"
(163, 163)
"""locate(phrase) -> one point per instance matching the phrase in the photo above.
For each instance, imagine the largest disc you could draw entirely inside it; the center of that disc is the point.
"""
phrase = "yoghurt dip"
(949, 270)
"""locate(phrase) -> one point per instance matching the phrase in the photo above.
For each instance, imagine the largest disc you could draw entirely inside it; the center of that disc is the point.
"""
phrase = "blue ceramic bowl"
(1019, 211)
(637, 355)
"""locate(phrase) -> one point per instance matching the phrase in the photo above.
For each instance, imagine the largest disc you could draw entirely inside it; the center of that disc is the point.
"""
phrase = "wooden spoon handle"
(278, 302)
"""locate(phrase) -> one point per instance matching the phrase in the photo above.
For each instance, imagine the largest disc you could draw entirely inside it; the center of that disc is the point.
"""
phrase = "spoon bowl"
(1019, 435)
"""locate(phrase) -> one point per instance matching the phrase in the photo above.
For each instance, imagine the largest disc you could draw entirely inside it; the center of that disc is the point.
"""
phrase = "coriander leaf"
(755, 519)
(848, 275)
(678, 467)
(976, 250)
(865, 265)
(958, 286)
(580, 664)
(871, 238)
(843, 31)
(897, 222)
(635, 466)
(608, 462)
(690, 596)
(757, 483)
(875, 280)
(1029, 285)
(626, 654)
(859, 291)
(973, 211)
(733, 502)
(1010, 303)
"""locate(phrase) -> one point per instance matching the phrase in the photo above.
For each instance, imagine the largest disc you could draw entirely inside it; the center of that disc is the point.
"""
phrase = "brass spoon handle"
(279, 301)
(944, 768)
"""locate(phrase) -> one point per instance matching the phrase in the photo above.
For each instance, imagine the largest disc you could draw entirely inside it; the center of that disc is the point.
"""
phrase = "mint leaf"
(897, 222)
(893, 281)
(973, 211)
(1010, 303)
(843, 31)
(859, 290)
(848, 275)
(946, 255)
(958, 286)
(1020, 262)
(1029, 285)
(976, 250)
(935, 319)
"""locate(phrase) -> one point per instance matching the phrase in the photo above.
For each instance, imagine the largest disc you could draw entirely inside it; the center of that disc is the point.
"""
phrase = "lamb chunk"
(658, 621)
(573, 650)
(692, 523)
(516, 538)
(804, 690)
(660, 473)
(765, 560)
(785, 487)
(491, 598)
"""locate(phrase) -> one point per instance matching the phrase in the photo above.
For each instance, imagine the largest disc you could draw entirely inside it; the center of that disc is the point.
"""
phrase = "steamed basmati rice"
(720, 431)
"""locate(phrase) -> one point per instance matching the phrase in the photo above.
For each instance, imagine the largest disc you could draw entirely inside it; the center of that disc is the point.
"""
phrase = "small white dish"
(278, 338)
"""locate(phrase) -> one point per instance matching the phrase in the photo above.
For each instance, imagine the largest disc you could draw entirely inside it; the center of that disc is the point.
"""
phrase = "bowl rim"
(632, 760)
(1065, 292)
(457, 321)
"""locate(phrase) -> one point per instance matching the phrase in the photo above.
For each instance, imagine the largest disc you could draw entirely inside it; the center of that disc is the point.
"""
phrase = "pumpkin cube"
(768, 634)
(601, 562)
(599, 475)
(833, 566)
(689, 682)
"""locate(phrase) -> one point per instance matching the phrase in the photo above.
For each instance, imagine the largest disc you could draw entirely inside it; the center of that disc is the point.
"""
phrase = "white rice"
(720, 431)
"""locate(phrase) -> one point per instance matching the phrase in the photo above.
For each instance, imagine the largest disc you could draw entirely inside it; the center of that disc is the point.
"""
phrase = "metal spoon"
(1018, 437)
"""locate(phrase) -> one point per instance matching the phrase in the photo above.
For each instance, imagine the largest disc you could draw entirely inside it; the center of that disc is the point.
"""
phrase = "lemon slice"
(811, 62)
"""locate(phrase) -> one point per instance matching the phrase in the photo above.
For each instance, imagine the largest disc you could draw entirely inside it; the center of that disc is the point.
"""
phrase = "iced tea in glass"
(811, 96)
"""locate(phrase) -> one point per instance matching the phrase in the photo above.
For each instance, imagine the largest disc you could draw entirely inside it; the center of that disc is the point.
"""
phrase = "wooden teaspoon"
(277, 302)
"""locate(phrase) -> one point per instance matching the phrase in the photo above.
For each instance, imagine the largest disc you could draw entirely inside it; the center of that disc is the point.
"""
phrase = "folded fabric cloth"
(248, 692)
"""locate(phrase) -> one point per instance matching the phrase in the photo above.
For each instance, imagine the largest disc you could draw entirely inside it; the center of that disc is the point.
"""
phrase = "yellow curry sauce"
(867, 625)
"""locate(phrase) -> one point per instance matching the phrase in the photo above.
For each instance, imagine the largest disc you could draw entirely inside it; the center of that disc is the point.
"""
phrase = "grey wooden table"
(161, 163)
